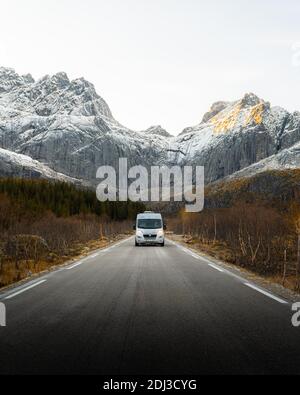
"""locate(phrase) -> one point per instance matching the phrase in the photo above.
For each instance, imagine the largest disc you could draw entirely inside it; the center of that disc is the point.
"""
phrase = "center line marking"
(25, 289)
(266, 293)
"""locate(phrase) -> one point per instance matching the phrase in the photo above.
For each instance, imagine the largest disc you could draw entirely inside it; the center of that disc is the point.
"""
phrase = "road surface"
(149, 310)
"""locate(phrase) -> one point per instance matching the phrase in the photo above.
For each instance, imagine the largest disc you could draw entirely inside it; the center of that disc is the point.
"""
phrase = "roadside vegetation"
(44, 224)
(253, 223)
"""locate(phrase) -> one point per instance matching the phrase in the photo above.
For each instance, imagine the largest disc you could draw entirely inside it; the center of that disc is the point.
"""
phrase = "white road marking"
(187, 251)
(194, 256)
(266, 293)
(108, 249)
(25, 289)
(209, 262)
(282, 301)
(73, 266)
(216, 267)
(95, 255)
(61, 269)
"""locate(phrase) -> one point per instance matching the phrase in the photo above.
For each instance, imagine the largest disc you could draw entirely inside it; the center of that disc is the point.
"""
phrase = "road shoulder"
(263, 282)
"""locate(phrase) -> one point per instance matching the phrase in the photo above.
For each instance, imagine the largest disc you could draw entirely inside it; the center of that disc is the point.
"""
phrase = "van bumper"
(144, 241)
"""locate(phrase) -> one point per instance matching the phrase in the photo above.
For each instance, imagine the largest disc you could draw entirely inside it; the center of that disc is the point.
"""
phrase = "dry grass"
(222, 253)
(28, 268)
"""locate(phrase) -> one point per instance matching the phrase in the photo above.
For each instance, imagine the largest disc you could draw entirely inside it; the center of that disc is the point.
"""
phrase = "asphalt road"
(150, 310)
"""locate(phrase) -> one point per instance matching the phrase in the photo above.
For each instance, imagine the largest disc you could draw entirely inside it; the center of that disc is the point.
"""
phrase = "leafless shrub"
(256, 235)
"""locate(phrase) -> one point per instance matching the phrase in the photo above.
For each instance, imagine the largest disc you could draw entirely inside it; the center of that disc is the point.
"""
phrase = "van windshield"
(150, 223)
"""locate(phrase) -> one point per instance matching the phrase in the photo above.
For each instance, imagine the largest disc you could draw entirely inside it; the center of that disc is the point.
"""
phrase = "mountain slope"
(17, 165)
(240, 134)
(277, 188)
(288, 158)
(66, 126)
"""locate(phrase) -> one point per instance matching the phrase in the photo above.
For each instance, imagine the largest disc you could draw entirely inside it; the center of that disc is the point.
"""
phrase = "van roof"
(150, 215)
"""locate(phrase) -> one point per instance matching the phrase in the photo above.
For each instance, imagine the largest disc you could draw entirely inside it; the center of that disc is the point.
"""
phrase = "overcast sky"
(160, 61)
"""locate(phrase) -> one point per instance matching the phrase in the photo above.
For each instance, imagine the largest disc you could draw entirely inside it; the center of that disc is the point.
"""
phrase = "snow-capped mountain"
(157, 130)
(17, 165)
(235, 135)
(68, 128)
(288, 158)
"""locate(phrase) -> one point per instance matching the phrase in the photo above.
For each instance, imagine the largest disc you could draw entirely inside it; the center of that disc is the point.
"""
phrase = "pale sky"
(160, 61)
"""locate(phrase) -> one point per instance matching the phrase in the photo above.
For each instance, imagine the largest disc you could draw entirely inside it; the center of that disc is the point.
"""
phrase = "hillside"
(274, 187)
(64, 127)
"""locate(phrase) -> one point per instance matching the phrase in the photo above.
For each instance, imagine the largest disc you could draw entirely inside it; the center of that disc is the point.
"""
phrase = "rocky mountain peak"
(65, 125)
(54, 82)
(223, 108)
(250, 100)
(28, 78)
(82, 86)
(9, 79)
(60, 79)
(231, 117)
(158, 130)
(52, 94)
(214, 110)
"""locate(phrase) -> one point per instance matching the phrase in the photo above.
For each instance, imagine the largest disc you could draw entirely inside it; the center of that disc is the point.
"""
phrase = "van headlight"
(139, 235)
(160, 234)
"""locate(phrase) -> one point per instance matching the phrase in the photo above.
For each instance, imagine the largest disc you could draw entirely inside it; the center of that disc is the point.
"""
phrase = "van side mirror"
(165, 227)
(134, 227)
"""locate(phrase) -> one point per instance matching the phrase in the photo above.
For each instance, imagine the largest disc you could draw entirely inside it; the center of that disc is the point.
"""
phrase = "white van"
(150, 229)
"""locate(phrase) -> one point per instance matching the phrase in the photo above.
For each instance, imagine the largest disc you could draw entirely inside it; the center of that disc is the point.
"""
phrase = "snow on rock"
(9, 79)
(239, 134)
(286, 159)
(157, 130)
(17, 165)
(215, 109)
(68, 126)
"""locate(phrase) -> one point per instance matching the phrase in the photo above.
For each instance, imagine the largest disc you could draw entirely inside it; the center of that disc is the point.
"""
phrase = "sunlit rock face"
(67, 127)
(235, 135)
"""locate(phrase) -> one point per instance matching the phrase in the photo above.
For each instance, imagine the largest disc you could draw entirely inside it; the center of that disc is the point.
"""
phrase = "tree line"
(45, 223)
(64, 200)
(253, 223)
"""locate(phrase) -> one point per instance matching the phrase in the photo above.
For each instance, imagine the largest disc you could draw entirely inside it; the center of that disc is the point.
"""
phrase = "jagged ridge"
(68, 127)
